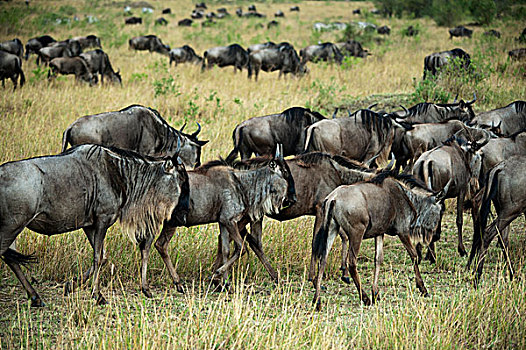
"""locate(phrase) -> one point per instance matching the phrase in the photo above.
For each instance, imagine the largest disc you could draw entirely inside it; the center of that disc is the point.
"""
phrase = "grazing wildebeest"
(13, 47)
(384, 30)
(166, 11)
(352, 48)
(357, 12)
(88, 41)
(506, 188)
(261, 135)
(133, 20)
(295, 8)
(426, 112)
(327, 52)
(187, 22)
(11, 68)
(492, 32)
(252, 7)
(88, 187)
(222, 56)
(279, 13)
(460, 31)
(66, 48)
(505, 120)
(161, 21)
(518, 54)
(233, 198)
(457, 161)
(149, 42)
(99, 63)
(35, 44)
(71, 65)
(184, 54)
(197, 14)
(135, 128)
(257, 47)
(363, 136)
(200, 5)
(272, 23)
(390, 204)
(222, 10)
(281, 57)
(411, 31)
(436, 61)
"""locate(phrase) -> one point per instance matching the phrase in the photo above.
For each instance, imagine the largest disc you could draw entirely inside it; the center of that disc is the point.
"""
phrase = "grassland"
(258, 314)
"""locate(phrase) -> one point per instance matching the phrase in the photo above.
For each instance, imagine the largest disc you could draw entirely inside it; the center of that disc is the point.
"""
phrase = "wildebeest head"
(191, 148)
(181, 209)
(278, 165)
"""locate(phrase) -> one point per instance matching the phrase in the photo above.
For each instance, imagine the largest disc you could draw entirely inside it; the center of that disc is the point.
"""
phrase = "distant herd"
(133, 167)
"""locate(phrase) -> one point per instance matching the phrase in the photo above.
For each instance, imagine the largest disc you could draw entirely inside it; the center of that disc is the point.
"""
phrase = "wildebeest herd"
(133, 167)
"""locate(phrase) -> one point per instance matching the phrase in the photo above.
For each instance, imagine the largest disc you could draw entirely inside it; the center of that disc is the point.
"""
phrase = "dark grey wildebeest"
(506, 188)
(11, 68)
(149, 42)
(71, 65)
(233, 198)
(505, 121)
(352, 48)
(136, 128)
(261, 46)
(88, 187)
(426, 112)
(492, 32)
(383, 30)
(327, 52)
(66, 48)
(261, 135)
(387, 204)
(99, 63)
(364, 136)
(133, 20)
(222, 56)
(13, 47)
(438, 60)
(281, 57)
(35, 44)
(458, 164)
(518, 54)
(460, 31)
(184, 54)
(88, 41)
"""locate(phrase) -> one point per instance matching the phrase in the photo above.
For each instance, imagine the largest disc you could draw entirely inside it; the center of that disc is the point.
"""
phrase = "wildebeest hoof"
(101, 300)
(426, 295)
(430, 257)
(180, 288)
(317, 302)
(366, 300)
(346, 279)
(37, 302)
(147, 293)
(462, 251)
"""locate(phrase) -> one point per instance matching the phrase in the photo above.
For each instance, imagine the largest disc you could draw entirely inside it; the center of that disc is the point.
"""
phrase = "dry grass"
(258, 314)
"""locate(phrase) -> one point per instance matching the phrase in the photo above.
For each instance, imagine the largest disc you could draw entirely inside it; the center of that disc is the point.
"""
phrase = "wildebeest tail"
(319, 246)
(237, 137)
(12, 255)
(491, 190)
(203, 62)
(65, 139)
(19, 70)
(310, 145)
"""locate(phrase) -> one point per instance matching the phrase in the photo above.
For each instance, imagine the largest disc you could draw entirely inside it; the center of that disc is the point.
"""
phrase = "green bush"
(483, 11)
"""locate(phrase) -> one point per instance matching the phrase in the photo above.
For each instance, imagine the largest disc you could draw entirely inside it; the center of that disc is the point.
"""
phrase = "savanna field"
(258, 313)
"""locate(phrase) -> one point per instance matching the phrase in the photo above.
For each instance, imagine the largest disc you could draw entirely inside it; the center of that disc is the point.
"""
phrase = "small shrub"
(166, 86)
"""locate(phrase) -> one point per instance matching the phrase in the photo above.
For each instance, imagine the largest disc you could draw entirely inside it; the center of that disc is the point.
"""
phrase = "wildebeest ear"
(441, 196)
(202, 142)
(169, 166)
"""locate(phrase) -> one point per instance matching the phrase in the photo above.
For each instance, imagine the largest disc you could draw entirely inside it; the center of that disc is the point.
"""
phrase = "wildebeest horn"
(335, 111)
(485, 140)
(370, 161)
(455, 100)
(406, 112)
(182, 127)
(349, 112)
(197, 131)
(372, 106)
(473, 100)
(391, 164)
(279, 154)
(442, 194)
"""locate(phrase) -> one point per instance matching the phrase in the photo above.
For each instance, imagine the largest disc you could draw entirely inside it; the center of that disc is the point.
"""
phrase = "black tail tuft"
(489, 194)
(319, 247)
(12, 255)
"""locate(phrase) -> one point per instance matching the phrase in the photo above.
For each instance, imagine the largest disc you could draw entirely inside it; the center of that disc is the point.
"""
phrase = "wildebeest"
(501, 148)
(187, 22)
(363, 136)
(99, 63)
(261, 135)
(460, 31)
(200, 5)
(161, 21)
(166, 11)
(505, 120)
(352, 48)
(518, 54)
(184, 54)
(282, 57)
(426, 112)
(13, 47)
(88, 187)
(133, 20)
(222, 56)
(279, 13)
(272, 24)
(387, 204)
(149, 42)
(71, 65)
(35, 44)
(506, 188)
(492, 32)
(357, 12)
(252, 7)
(66, 48)
(411, 31)
(233, 198)
(197, 14)
(438, 60)
(327, 52)
(458, 163)
(257, 47)
(11, 68)
(294, 8)
(88, 41)
(136, 128)
(384, 30)
(522, 37)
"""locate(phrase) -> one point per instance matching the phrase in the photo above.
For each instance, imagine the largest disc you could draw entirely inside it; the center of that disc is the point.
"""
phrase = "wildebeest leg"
(98, 244)
(228, 231)
(355, 241)
(145, 246)
(431, 254)
(162, 247)
(254, 241)
(477, 238)
(317, 224)
(31, 292)
(460, 221)
(345, 256)
(414, 259)
(378, 261)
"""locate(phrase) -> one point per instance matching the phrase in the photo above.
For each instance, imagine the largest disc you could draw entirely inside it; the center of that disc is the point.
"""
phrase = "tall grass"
(258, 314)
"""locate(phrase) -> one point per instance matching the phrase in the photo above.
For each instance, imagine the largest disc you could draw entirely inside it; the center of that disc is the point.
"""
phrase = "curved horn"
(349, 112)
(278, 154)
(406, 113)
(335, 111)
(473, 100)
(197, 131)
(485, 140)
(455, 100)
(372, 106)
(442, 194)
(182, 127)
(370, 161)
(391, 164)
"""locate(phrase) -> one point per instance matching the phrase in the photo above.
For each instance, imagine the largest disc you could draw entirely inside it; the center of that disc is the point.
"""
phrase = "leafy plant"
(166, 86)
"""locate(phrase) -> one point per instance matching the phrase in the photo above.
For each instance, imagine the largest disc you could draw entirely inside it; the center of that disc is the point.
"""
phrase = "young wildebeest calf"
(88, 187)
(71, 65)
(232, 198)
(394, 205)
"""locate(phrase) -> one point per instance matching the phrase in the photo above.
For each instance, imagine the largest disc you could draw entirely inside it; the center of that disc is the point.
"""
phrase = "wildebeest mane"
(405, 178)
(350, 164)
(297, 114)
(454, 140)
(203, 168)
(373, 120)
(520, 106)
(515, 134)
